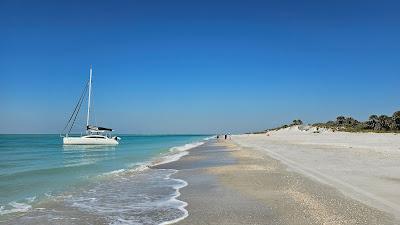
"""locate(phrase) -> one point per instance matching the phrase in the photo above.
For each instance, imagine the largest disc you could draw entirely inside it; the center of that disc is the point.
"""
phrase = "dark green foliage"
(340, 120)
(396, 119)
(382, 123)
(297, 122)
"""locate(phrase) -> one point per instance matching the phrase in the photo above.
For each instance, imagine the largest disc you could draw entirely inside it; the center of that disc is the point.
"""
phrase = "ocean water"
(44, 182)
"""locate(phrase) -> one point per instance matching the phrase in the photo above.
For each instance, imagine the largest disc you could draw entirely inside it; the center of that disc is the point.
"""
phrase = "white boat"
(95, 135)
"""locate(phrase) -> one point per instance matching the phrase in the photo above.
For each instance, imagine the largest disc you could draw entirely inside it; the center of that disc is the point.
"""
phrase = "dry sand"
(230, 184)
(363, 166)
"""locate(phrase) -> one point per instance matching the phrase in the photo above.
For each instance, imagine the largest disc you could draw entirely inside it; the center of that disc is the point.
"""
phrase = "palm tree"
(373, 121)
(373, 117)
(384, 122)
(297, 122)
(396, 119)
(340, 120)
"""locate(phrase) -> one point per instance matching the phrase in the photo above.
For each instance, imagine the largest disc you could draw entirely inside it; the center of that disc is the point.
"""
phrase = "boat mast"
(90, 91)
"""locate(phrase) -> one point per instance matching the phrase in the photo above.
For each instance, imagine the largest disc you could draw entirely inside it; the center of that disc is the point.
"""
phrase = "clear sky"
(197, 66)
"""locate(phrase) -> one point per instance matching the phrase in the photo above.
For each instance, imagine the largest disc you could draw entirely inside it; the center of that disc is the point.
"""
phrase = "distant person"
(217, 136)
(226, 136)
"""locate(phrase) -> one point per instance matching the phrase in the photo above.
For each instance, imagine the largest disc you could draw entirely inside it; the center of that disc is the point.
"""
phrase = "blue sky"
(197, 66)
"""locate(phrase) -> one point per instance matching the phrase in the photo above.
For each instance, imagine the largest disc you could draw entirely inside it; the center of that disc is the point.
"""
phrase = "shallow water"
(42, 182)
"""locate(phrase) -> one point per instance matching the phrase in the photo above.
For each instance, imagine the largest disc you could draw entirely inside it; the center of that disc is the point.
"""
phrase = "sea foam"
(138, 194)
(16, 207)
(175, 153)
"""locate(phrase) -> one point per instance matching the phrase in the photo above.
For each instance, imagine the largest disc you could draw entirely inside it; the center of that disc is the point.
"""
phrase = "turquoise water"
(34, 168)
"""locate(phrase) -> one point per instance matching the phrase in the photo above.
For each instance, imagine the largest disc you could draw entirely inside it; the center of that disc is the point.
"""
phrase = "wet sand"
(229, 184)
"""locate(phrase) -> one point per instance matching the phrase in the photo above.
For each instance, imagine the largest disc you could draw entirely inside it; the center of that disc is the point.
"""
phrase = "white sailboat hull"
(89, 140)
(95, 134)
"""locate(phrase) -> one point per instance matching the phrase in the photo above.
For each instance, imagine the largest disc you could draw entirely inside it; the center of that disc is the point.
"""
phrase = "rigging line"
(72, 115)
(76, 114)
(80, 99)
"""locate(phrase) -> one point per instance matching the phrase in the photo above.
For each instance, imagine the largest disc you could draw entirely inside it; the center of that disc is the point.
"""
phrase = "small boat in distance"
(95, 135)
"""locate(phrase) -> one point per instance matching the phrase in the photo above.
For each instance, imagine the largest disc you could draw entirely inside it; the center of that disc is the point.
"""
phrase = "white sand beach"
(363, 166)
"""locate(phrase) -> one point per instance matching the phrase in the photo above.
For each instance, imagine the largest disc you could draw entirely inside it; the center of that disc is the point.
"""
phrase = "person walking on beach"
(226, 136)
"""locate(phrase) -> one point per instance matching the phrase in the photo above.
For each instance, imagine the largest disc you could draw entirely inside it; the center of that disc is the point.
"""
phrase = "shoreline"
(175, 198)
(229, 184)
(249, 179)
(77, 205)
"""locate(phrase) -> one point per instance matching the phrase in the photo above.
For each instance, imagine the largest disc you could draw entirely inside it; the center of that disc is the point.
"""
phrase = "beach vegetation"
(375, 123)
(297, 122)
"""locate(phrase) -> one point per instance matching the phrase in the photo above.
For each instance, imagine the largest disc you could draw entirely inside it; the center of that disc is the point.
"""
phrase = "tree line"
(375, 123)
(382, 123)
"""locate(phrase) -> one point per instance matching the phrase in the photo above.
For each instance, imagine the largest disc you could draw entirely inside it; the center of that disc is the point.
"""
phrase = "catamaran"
(95, 135)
